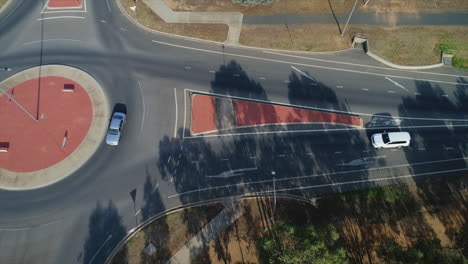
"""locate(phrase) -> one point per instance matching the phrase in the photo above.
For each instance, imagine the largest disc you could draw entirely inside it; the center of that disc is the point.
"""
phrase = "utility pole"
(22, 107)
(350, 15)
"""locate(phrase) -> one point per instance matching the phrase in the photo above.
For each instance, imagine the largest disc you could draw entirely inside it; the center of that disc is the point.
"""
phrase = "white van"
(391, 140)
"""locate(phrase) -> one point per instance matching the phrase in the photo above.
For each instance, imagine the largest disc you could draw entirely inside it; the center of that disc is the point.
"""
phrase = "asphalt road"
(80, 219)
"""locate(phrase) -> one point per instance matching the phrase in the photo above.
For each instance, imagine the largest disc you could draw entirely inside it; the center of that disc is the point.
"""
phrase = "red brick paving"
(251, 113)
(64, 3)
(203, 114)
(34, 146)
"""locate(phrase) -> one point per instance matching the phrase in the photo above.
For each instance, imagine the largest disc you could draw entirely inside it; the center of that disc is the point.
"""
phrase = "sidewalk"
(232, 19)
(210, 232)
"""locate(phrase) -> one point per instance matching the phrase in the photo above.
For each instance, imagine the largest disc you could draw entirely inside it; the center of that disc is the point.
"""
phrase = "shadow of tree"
(105, 231)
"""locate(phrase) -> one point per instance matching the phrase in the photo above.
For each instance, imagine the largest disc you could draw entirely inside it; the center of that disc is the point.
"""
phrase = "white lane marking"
(365, 89)
(143, 106)
(47, 40)
(176, 113)
(326, 175)
(99, 249)
(287, 81)
(156, 187)
(262, 78)
(187, 67)
(172, 178)
(338, 152)
(185, 113)
(103, 21)
(390, 91)
(138, 212)
(305, 65)
(14, 229)
(449, 148)
(253, 157)
(446, 95)
(362, 65)
(212, 71)
(282, 155)
(169, 159)
(49, 18)
(123, 29)
(318, 108)
(236, 75)
(397, 84)
(309, 154)
(303, 73)
(417, 93)
(339, 86)
(225, 159)
(421, 148)
(108, 6)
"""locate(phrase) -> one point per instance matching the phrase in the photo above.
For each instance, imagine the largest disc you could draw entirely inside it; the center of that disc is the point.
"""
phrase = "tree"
(252, 2)
(290, 244)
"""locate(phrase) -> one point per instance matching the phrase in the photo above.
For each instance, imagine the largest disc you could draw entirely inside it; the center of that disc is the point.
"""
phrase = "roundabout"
(56, 114)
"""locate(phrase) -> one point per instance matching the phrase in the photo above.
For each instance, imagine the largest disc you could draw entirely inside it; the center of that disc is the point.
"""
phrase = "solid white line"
(14, 229)
(318, 175)
(144, 107)
(47, 40)
(317, 108)
(303, 64)
(361, 65)
(108, 6)
(397, 84)
(176, 113)
(303, 73)
(12, 11)
(45, 6)
(48, 18)
(185, 112)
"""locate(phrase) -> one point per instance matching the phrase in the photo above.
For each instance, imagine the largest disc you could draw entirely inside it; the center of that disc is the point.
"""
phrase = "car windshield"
(385, 138)
(113, 131)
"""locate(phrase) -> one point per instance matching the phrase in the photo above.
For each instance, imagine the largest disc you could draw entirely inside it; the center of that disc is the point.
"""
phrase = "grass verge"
(146, 17)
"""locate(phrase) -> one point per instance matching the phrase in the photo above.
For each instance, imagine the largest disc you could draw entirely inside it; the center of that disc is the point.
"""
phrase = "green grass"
(460, 63)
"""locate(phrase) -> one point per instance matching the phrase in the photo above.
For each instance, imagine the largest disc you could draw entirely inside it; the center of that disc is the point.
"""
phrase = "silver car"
(115, 128)
(391, 140)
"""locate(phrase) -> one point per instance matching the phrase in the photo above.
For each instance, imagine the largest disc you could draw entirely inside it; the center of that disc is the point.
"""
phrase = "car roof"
(116, 119)
(399, 136)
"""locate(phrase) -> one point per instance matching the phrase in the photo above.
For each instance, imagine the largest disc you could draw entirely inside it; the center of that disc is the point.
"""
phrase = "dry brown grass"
(146, 17)
(415, 6)
(168, 234)
(415, 45)
(307, 37)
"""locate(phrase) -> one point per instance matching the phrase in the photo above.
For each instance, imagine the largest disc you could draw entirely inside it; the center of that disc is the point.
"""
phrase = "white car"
(391, 140)
(115, 128)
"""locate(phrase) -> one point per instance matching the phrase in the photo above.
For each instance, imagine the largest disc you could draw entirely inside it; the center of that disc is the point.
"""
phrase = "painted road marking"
(176, 113)
(391, 91)
(306, 65)
(262, 78)
(212, 71)
(287, 81)
(365, 89)
(421, 148)
(397, 84)
(143, 106)
(47, 40)
(123, 29)
(362, 65)
(303, 73)
(108, 6)
(103, 21)
(339, 86)
(188, 68)
(417, 93)
(236, 75)
(446, 95)
(321, 185)
(48, 18)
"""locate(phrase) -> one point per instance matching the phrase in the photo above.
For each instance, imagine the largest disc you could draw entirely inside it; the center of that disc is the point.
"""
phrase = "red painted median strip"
(252, 113)
(203, 114)
(64, 3)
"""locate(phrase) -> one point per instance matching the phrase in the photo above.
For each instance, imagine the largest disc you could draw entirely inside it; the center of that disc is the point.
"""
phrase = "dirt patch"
(415, 6)
(320, 6)
(146, 17)
(307, 37)
(364, 219)
(415, 45)
(168, 234)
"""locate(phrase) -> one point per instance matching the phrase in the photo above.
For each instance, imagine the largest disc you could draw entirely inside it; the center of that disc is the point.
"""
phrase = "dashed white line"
(103, 21)
(304, 64)
(417, 93)
(446, 95)
(287, 81)
(365, 89)
(138, 212)
(449, 148)
(390, 91)
(236, 75)
(262, 78)
(338, 152)
(212, 71)
(282, 155)
(187, 67)
(123, 29)
(339, 86)
(421, 148)
(169, 159)
(155, 187)
(172, 179)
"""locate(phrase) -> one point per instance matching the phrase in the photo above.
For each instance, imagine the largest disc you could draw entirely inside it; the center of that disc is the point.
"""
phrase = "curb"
(225, 44)
(136, 229)
(16, 181)
(402, 67)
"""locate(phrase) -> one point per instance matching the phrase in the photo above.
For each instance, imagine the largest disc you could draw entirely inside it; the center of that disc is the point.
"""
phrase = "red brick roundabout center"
(53, 118)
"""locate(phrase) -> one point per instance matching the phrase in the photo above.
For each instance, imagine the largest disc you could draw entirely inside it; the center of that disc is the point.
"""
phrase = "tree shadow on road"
(105, 232)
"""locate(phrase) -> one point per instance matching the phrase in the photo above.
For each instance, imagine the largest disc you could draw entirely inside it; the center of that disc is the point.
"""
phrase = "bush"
(460, 63)
(252, 2)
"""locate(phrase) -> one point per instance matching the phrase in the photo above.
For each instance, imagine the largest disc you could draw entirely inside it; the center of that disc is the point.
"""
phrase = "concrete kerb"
(119, 4)
(144, 224)
(33, 180)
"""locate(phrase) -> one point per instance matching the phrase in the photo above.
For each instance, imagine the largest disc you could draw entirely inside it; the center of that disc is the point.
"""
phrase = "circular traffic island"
(53, 118)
